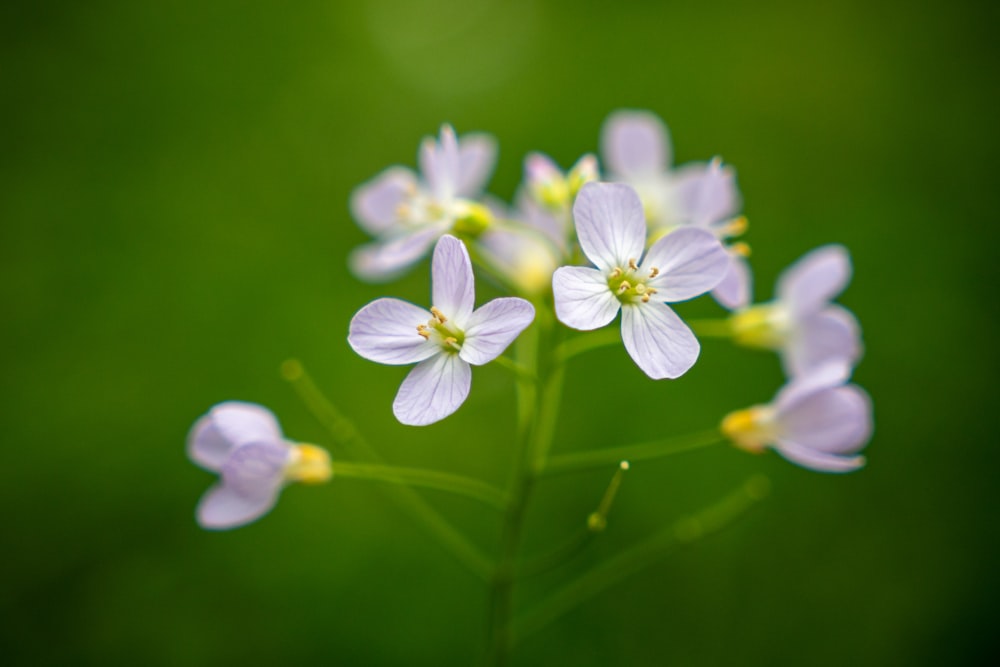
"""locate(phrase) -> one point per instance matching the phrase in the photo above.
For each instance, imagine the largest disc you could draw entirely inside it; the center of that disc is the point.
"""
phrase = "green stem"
(587, 342)
(411, 502)
(637, 452)
(514, 367)
(430, 479)
(712, 328)
(644, 554)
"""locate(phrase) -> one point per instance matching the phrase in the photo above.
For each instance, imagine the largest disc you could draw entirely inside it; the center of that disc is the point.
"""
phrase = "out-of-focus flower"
(816, 421)
(801, 324)
(680, 266)
(407, 213)
(636, 150)
(551, 187)
(243, 443)
(521, 255)
(443, 341)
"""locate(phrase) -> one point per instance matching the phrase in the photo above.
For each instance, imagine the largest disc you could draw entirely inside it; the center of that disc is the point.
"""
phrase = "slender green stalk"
(348, 437)
(586, 342)
(558, 556)
(514, 367)
(643, 555)
(637, 452)
(429, 479)
(712, 328)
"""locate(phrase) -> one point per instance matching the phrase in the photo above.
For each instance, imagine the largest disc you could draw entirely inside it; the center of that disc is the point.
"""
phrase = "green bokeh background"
(174, 179)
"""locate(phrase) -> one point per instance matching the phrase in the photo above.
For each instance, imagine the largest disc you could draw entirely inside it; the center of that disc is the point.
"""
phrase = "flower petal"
(382, 261)
(493, 327)
(735, 290)
(582, 297)
(830, 335)
(835, 421)
(434, 389)
(811, 282)
(658, 340)
(385, 331)
(452, 283)
(477, 155)
(206, 446)
(221, 508)
(610, 224)
(439, 164)
(690, 262)
(245, 423)
(826, 376)
(818, 461)
(256, 470)
(706, 193)
(375, 203)
(635, 143)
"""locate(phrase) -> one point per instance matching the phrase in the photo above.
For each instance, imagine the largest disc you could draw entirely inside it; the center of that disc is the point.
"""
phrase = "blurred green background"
(174, 179)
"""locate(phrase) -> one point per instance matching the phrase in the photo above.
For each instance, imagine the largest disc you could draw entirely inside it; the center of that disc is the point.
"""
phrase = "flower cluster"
(575, 249)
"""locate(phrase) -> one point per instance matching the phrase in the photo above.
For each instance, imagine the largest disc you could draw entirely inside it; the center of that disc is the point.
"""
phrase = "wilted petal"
(705, 193)
(244, 423)
(811, 282)
(690, 261)
(735, 290)
(434, 389)
(452, 283)
(635, 143)
(610, 224)
(384, 260)
(583, 299)
(385, 331)
(657, 340)
(830, 335)
(493, 327)
(222, 507)
(375, 204)
(835, 421)
(818, 461)
(477, 154)
(206, 446)
(439, 164)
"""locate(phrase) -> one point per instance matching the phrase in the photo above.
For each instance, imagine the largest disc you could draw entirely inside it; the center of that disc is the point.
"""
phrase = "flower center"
(629, 285)
(751, 429)
(765, 326)
(308, 464)
(442, 331)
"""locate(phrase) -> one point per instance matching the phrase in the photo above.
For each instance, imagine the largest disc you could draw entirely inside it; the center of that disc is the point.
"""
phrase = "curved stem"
(517, 369)
(684, 531)
(637, 452)
(430, 479)
(586, 342)
(411, 502)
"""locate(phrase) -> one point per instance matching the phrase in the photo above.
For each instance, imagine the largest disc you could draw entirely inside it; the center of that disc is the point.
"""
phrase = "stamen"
(653, 272)
(645, 298)
(422, 330)
(737, 226)
(451, 341)
(632, 265)
(438, 315)
(740, 248)
(624, 287)
(616, 273)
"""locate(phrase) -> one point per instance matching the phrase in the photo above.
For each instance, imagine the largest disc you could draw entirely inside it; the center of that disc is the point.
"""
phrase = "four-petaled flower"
(408, 214)
(816, 421)
(243, 442)
(682, 265)
(443, 341)
(801, 324)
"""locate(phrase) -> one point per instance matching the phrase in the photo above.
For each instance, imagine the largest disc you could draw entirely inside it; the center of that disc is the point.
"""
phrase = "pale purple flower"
(407, 213)
(680, 266)
(442, 341)
(816, 421)
(636, 149)
(243, 443)
(801, 324)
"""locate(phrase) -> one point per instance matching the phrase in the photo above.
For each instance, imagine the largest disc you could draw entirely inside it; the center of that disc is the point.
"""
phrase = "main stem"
(538, 403)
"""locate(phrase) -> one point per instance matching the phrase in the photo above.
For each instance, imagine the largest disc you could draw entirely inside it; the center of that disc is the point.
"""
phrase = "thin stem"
(430, 479)
(411, 502)
(637, 452)
(514, 367)
(587, 342)
(684, 531)
(558, 556)
(712, 328)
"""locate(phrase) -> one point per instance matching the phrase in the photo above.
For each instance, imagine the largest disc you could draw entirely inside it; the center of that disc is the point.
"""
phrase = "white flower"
(243, 442)
(801, 324)
(407, 213)
(816, 421)
(442, 341)
(680, 266)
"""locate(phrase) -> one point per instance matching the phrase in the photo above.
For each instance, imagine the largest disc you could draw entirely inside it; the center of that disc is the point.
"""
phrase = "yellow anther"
(616, 273)
(452, 342)
(308, 464)
(651, 290)
(653, 272)
(403, 211)
(438, 315)
(737, 226)
(624, 287)
(740, 248)
(632, 265)
(645, 298)
(422, 330)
